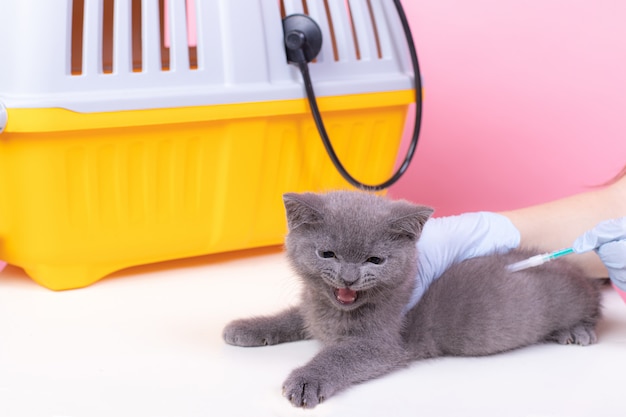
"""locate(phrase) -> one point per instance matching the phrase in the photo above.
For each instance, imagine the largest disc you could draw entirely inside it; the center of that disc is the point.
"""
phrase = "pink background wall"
(525, 101)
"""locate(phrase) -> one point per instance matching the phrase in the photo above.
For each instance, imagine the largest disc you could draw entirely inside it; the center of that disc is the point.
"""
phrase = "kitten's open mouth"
(346, 295)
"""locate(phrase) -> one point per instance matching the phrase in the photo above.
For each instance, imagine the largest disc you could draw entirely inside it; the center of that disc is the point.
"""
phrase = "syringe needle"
(538, 260)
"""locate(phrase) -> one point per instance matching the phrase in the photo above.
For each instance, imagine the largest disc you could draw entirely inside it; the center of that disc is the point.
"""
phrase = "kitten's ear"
(302, 209)
(408, 219)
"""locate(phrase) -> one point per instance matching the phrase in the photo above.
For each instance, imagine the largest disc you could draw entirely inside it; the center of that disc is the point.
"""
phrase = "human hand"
(448, 240)
(608, 240)
(2, 265)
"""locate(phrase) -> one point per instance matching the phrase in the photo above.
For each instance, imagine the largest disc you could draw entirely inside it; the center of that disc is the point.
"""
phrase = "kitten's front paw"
(247, 333)
(306, 388)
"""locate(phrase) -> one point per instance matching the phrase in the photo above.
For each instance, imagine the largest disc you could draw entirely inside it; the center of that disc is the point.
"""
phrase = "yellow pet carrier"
(137, 131)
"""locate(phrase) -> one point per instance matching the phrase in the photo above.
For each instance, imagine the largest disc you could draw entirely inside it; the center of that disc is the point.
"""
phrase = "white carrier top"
(105, 55)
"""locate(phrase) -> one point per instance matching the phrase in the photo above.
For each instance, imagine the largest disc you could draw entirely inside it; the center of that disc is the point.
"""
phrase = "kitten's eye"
(375, 260)
(327, 254)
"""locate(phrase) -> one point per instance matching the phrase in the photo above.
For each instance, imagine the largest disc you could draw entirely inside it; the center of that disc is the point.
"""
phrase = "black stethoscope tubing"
(308, 85)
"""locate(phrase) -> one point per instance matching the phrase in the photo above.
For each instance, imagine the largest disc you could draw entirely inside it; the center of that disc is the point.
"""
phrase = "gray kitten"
(356, 254)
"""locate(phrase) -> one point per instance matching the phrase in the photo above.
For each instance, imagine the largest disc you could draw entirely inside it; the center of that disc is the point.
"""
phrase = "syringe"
(539, 259)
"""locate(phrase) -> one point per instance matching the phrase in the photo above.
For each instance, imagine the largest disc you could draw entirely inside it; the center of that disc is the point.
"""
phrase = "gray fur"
(475, 308)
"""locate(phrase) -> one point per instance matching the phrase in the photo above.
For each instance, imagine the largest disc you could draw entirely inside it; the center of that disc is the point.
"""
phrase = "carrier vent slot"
(353, 30)
(164, 44)
(370, 10)
(350, 27)
(76, 42)
(107, 36)
(137, 46)
(331, 29)
(122, 36)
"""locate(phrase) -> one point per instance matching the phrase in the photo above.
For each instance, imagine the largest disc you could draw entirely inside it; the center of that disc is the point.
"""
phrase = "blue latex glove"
(608, 239)
(448, 240)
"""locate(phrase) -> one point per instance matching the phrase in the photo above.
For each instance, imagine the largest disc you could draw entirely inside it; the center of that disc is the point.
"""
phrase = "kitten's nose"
(347, 283)
(349, 277)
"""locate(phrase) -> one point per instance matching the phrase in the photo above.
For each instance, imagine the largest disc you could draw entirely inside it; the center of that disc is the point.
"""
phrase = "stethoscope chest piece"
(303, 38)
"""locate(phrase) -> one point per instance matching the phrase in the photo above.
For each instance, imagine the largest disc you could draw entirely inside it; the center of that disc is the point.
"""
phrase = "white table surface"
(147, 342)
